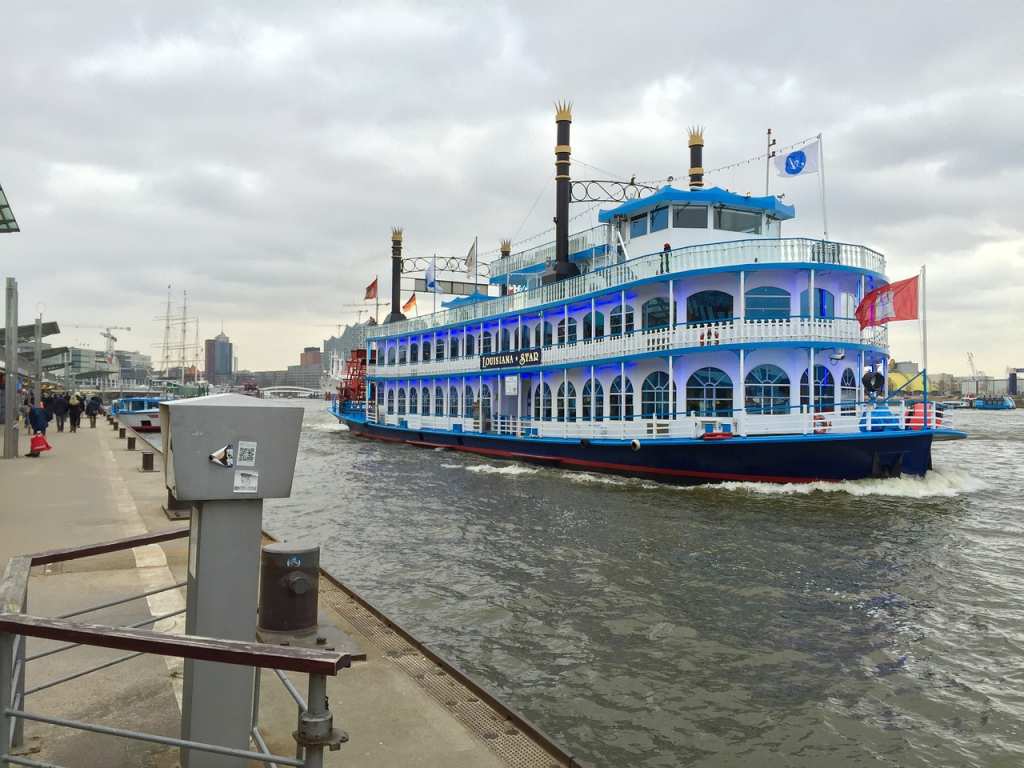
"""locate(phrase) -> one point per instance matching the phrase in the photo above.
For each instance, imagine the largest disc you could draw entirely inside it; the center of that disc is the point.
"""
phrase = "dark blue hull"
(777, 459)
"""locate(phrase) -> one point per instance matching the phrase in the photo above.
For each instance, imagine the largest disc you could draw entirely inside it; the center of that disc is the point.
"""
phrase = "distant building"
(310, 357)
(338, 348)
(134, 366)
(219, 359)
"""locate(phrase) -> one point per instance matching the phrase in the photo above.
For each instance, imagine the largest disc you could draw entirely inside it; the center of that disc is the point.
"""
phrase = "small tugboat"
(683, 339)
(140, 413)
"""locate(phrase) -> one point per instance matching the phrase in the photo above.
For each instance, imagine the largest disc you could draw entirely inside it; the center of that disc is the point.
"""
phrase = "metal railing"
(315, 722)
(595, 237)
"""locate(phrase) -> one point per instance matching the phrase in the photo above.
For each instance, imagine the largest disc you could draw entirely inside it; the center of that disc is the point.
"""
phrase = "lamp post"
(9, 224)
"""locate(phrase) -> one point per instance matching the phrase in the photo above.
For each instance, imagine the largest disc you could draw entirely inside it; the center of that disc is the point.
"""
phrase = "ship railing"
(17, 626)
(737, 253)
(579, 242)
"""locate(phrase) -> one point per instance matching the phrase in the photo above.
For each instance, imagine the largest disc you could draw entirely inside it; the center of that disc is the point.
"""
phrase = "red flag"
(407, 307)
(371, 290)
(896, 301)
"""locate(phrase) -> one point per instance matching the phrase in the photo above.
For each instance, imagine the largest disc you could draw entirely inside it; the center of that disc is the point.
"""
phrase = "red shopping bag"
(39, 444)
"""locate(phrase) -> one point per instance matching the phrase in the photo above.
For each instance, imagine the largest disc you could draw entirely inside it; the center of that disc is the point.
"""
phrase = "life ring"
(821, 424)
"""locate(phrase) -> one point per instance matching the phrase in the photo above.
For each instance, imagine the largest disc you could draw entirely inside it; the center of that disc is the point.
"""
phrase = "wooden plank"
(14, 585)
(88, 550)
(306, 660)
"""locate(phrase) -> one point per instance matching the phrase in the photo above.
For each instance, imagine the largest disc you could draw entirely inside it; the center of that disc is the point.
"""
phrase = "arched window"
(392, 353)
(824, 306)
(524, 336)
(438, 401)
(425, 401)
(566, 403)
(848, 392)
(426, 350)
(542, 334)
(468, 402)
(380, 397)
(615, 320)
(485, 403)
(485, 343)
(655, 313)
(767, 303)
(453, 347)
(619, 399)
(824, 389)
(470, 345)
(654, 396)
(403, 354)
(414, 352)
(709, 393)
(593, 395)
(453, 401)
(542, 403)
(506, 341)
(414, 406)
(391, 401)
(593, 326)
(767, 390)
(439, 347)
(709, 307)
(567, 336)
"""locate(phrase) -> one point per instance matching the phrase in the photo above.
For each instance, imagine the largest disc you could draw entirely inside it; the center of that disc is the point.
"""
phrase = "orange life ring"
(821, 424)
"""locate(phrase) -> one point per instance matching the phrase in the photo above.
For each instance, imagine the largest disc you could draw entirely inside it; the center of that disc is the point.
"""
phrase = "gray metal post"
(11, 379)
(315, 723)
(6, 691)
(37, 390)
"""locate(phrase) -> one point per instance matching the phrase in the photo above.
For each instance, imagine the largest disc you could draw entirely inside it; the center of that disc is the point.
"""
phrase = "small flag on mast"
(430, 279)
(896, 301)
(471, 260)
(410, 304)
(798, 162)
(371, 290)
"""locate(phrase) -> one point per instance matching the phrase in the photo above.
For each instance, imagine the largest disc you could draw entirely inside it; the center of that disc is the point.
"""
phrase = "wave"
(511, 469)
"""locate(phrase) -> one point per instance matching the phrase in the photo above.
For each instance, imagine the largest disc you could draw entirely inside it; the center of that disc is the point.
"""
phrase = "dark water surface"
(868, 623)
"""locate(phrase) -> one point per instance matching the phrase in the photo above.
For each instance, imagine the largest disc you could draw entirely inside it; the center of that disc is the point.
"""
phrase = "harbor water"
(863, 623)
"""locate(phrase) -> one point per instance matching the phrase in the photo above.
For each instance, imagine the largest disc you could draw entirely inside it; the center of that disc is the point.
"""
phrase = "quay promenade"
(399, 707)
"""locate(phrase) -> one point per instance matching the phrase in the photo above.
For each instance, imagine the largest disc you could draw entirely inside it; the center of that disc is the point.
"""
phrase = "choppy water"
(865, 623)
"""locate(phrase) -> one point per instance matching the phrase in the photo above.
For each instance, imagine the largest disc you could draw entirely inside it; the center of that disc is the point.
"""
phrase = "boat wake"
(944, 482)
(490, 469)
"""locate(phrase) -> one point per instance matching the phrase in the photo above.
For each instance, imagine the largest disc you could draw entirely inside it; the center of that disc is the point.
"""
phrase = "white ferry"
(140, 413)
(682, 339)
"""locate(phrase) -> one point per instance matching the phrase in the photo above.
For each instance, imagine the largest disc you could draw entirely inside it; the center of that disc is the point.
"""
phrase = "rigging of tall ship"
(682, 339)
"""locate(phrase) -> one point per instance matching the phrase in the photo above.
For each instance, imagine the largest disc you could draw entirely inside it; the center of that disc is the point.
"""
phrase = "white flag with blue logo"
(797, 162)
(430, 279)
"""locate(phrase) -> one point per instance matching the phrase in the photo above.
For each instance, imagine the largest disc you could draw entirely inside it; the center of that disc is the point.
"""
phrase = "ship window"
(426, 350)
(485, 343)
(414, 406)
(654, 396)
(544, 340)
(425, 401)
(619, 400)
(485, 405)
(391, 355)
(453, 401)
(438, 401)
(593, 325)
(593, 392)
(690, 217)
(638, 225)
(414, 352)
(708, 307)
(524, 336)
(470, 345)
(467, 402)
(439, 348)
(542, 403)
(391, 401)
(380, 396)
(824, 389)
(709, 393)
(655, 313)
(731, 220)
(402, 354)
(659, 219)
(453, 347)
(567, 402)
(615, 320)
(563, 336)
(506, 341)
(767, 390)
(401, 401)
(848, 393)
(824, 307)
(767, 303)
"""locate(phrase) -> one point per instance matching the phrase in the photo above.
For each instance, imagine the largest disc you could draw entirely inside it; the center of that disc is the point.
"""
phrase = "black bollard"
(147, 461)
(121, 432)
(131, 443)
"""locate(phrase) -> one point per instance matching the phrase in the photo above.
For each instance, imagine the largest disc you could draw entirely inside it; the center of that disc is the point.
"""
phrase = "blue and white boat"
(994, 403)
(683, 339)
(140, 413)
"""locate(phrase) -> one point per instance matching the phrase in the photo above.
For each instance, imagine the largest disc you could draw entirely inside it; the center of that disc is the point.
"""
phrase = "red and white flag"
(371, 290)
(896, 301)
(410, 304)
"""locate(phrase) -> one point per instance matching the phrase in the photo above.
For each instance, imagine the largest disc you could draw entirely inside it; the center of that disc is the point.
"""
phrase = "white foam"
(511, 469)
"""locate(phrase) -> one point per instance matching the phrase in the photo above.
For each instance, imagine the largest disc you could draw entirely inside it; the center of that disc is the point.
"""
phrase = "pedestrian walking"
(75, 407)
(38, 419)
(59, 408)
(92, 410)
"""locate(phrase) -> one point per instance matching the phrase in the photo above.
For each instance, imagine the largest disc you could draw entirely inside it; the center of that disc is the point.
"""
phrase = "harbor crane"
(106, 334)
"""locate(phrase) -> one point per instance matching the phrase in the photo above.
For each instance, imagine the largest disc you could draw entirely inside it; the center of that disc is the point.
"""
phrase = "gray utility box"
(229, 446)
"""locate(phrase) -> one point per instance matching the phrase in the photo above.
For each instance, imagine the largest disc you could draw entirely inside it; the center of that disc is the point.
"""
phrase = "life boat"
(716, 435)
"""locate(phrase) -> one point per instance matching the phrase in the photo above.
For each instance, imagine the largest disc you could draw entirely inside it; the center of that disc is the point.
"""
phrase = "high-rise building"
(310, 357)
(219, 359)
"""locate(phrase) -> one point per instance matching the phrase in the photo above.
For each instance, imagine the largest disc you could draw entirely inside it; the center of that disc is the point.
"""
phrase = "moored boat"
(994, 403)
(140, 413)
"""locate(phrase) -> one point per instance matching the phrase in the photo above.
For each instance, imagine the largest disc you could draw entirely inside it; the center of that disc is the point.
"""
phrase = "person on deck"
(75, 407)
(92, 410)
(38, 419)
(59, 408)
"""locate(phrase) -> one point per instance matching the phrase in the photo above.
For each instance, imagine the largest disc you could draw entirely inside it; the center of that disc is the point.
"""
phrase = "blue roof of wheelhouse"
(711, 196)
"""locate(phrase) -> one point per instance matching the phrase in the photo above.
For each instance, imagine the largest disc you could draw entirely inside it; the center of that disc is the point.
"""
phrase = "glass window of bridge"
(615, 320)
(542, 403)
(567, 402)
(638, 225)
(467, 402)
(655, 313)
(453, 347)
(848, 393)
(659, 219)
(485, 343)
(401, 401)
(392, 354)
(824, 306)
(767, 303)
(391, 401)
(593, 397)
(690, 217)
(403, 354)
(567, 331)
(542, 334)
(439, 348)
(709, 307)
(767, 390)
(731, 220)
(824, 389)
(620, 399)
(414, 406)
(414, 352)
(438, 401)
(505, 344)
(654, 396)
(709, 393)
(425, 401)
(453, 401)
(593, 326)
(470, 345)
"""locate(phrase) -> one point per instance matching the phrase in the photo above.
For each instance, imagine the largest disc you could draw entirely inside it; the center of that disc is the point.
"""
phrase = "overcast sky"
(257, 154)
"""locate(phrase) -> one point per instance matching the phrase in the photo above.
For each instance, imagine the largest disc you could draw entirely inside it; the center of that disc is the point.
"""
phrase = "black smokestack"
(506, 251)
(696, 157)
(396, 277)
(563, 267)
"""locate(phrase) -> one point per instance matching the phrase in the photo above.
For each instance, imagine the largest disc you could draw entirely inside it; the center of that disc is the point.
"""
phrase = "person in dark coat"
(38, 419)
(92, 410)
(59, 407)
(75, 407)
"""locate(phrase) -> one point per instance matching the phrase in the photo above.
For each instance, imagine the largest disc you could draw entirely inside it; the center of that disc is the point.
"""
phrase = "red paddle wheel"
(352, 388)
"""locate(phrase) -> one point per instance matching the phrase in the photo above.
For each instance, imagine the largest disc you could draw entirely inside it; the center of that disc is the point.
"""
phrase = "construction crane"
(106, 334)
(970, 361)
